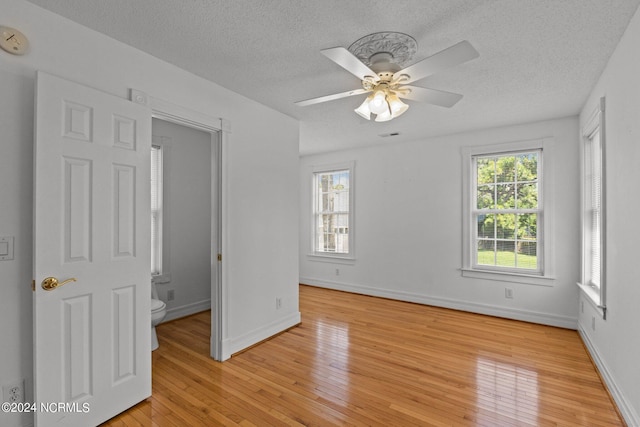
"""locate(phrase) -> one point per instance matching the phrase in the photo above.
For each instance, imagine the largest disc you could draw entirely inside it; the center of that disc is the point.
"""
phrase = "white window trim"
(597, 296)
(545, 236)
(313, 255)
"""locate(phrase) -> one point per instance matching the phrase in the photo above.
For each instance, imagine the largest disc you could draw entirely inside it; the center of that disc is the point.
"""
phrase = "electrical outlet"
(508, 293)
(13, 392)
(278, 303)
(171, 294)
(337, 271)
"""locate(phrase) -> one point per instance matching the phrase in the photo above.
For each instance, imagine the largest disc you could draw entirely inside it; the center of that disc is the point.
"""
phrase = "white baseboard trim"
(234, 345)
(188, 309)
(629, 414)
(509, 313)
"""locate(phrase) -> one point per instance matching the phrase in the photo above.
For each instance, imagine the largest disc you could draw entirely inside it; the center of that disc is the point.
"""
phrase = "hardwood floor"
(358, 360)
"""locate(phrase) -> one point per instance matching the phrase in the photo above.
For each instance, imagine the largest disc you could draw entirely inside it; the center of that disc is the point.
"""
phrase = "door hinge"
(33, 285)
(219, 257)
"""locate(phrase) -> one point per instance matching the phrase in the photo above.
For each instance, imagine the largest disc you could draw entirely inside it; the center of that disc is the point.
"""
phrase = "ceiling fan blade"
(454, 55)
(432, 96)
(349, 62)
(326, 98)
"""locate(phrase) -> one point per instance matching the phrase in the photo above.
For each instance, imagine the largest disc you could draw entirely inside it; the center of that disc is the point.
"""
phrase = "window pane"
(528, 167)
(505, 253)
(326, 202)
(485, 170)
(342, 180)
(527, 226)
(527, 196)
(502, 253)
(486, 252)
(485, 196)
(501, 244)
(341, 201)
(505, 169)
(332, 190)
(505, 196)
(595, 248)
(319, 200)
(486, 226)
(527, 255)
(332, 231)
(505, 226)
(155, 268)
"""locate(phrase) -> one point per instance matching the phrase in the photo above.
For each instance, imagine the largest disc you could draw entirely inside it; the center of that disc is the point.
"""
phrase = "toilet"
(158, 312)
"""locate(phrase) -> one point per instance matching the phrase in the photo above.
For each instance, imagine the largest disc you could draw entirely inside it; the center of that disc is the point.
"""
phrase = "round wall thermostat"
(13, 41)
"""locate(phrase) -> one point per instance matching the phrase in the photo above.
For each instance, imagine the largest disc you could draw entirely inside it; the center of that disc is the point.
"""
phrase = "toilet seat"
(158, 313)
(157, 305)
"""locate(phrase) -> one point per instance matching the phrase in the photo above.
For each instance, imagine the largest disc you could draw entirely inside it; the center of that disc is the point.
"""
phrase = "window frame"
(595, 292)
(475, 212)
(164, 143)
(157, 247)
(314, 254)
(544, 274)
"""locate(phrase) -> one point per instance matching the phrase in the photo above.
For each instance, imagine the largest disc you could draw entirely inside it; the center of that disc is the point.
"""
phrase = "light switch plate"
(6, 248)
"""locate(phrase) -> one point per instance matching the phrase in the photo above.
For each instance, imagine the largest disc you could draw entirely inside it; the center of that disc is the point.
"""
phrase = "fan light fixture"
(384, 103)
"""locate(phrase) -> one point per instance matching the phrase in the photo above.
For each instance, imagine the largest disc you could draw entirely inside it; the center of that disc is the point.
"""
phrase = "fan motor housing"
(382, 62)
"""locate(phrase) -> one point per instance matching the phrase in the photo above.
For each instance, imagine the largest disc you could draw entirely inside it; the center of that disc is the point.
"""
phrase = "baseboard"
(234, 345)
(509, 313)
(188, 309)
(627, 411)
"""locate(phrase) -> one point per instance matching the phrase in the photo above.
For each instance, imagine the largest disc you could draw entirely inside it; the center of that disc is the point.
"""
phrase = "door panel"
(92, 343)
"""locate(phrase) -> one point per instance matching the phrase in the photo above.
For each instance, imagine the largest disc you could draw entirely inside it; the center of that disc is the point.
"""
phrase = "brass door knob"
(50, 283)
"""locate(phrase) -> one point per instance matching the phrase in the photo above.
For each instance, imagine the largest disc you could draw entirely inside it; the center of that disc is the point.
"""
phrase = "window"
(592, 281)
(593, 207)
(156, 210)
(333, 211)
(506, 211)
(505, 226)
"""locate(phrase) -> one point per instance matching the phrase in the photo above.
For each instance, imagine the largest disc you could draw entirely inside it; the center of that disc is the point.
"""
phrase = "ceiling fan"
(379, 60)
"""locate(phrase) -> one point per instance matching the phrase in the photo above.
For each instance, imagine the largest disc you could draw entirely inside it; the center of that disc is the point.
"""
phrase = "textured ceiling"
(538, 58)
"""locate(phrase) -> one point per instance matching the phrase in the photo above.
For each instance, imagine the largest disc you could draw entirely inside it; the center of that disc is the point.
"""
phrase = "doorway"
(182, 218)
(218, 130)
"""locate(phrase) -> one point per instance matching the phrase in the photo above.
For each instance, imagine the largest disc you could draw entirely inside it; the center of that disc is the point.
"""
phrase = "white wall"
(261, 155)
(615, 342)
(408, 208)
(16, 184)
(186, 218)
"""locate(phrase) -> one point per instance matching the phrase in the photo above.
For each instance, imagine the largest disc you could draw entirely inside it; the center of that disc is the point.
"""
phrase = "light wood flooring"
(358, 360)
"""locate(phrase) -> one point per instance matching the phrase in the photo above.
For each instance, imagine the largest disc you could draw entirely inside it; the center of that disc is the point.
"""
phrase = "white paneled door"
(91, 303)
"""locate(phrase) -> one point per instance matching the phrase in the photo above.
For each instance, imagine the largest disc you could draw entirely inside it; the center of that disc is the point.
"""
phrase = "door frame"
(219, 129)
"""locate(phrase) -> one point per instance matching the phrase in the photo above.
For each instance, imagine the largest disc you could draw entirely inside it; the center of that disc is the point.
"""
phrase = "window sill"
(501, 276)
(593, 297)
(331, 258)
